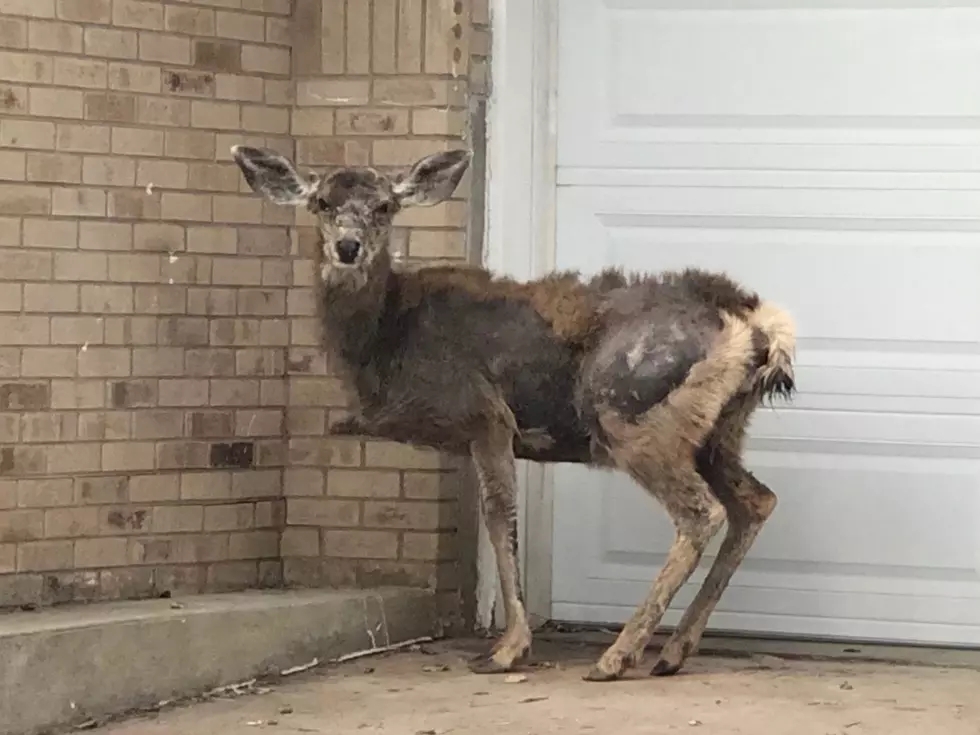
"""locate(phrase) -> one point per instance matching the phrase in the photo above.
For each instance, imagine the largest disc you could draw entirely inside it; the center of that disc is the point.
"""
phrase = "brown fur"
(656, 375)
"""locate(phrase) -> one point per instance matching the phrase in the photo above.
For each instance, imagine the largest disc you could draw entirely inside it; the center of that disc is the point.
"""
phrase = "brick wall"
(160, 387)
(381, 83)
(142, 298)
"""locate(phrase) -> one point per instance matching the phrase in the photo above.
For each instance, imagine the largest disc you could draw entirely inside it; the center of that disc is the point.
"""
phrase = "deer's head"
(354, 207)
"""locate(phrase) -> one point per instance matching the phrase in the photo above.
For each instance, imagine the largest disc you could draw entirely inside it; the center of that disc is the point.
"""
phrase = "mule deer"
(655, 375)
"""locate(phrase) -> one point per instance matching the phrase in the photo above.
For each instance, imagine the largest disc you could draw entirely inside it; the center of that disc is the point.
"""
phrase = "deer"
(652, 374)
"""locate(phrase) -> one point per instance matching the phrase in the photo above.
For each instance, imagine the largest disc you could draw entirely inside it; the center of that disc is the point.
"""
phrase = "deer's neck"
(352, 330)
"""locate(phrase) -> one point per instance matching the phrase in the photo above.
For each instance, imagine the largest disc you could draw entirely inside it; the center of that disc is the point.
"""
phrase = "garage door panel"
(854, 538)
(827, 278)
(848, 73)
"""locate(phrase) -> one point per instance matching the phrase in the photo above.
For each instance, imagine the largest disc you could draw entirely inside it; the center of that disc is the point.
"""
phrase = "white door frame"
(520, 242)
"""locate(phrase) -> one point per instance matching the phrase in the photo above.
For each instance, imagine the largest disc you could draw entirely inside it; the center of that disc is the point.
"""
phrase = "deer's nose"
(347, 250)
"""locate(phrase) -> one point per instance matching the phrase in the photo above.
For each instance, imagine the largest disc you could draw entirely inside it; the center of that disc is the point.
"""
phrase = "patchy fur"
(656, 375)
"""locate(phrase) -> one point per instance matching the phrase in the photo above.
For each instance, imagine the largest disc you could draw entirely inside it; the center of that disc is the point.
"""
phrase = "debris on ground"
(515, 679)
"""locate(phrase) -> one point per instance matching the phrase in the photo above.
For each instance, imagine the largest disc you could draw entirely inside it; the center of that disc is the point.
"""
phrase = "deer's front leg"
(493, 458)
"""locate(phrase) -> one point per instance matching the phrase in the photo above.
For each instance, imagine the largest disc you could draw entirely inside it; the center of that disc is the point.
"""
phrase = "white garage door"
(827, 153)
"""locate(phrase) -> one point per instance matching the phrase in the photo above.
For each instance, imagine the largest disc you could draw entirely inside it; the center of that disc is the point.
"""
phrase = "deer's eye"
(322, 205)
(383, 209)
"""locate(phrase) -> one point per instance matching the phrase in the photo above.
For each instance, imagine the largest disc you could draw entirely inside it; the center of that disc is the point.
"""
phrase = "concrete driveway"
(430, 692)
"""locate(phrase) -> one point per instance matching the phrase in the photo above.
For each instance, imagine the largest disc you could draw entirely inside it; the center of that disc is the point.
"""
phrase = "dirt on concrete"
(431, 692)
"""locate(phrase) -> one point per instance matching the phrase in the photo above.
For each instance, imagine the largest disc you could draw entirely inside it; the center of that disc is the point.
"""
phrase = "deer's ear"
(432, 180)
(274, 176)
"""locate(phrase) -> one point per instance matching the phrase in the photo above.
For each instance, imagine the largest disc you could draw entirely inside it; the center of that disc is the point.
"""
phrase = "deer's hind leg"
(658, 448)
(748, 504)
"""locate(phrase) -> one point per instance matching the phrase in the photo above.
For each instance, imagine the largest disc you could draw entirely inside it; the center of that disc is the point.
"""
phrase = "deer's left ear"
(274, 176)
(433, 179)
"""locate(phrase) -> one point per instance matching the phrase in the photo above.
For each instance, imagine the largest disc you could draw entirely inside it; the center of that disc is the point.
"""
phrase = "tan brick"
(410, 23)
(241, 26)
(78, 202)
(24, 200)
(54, 168)
(332, 33)
(54, 102)
(101, 552)
(137, 14)
(26, 266)
(50, 233)
(190, 144)
(358, 37)
(254, 545)
(14, 98)
(165, 48)
(416, 515)
(183, 392)
(41, 556)
(110, 107)
(134, 77)
(80, 72)
(44, 493)
(49, 297)
(8, 558)
(221, 115)
(299, 482)
(234, 517)
(238, 210)
(13, 167)
(188, 207)
(67, 330)
(421, 91)
(107, 299)
(128, 456)
(239, 87)
(10, 297)
(372, 122)
(45, 35)
(163, 174)
(218, 56)
(212, 240)
(137, 142)
(111, 43)
(363, 484)
(194, 21)
(428, 546)
(262, 119)
(102, 490)
(332, 152)
(316, 512)
(26, 134)
(433, 121)
(48, 427)
(300, 542)
(159, 238)
(154, 488)
(431, 485)
(109, 171)
(209, 424)
(23, 67)
(82, 138)
(89, 11)
(77, 394)
(104, 362)
(24, 330)
(134, 204)
(256, 484)
(279, 92)
(268, 422)
(71, 522)
(205, 486)
(72, 458)
(437, 244)
(41, 9)
(161, 111)
(385, 36)
(360, 544)
(312, 121)
(21, 525)
(332, 92)
(177, 519)
(267, 59)
(403, 456)
(107, 425)
(278, 31)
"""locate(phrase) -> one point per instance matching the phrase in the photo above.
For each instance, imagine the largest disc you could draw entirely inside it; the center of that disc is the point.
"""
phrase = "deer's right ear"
(273, 176)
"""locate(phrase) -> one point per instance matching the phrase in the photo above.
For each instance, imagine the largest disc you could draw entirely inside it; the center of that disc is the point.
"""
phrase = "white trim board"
(520, 242)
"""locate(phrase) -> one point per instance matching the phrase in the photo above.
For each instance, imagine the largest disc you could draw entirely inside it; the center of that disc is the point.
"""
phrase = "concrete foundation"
(68, 665)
